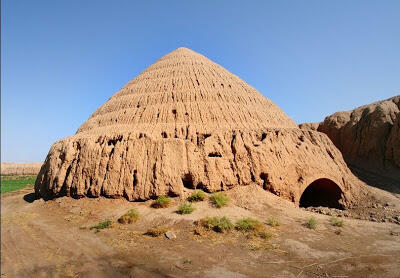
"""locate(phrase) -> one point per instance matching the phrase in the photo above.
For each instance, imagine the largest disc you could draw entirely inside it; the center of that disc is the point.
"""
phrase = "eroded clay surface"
(187, 122)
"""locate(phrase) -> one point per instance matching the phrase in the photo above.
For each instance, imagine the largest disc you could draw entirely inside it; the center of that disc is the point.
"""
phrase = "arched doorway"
(322, 192)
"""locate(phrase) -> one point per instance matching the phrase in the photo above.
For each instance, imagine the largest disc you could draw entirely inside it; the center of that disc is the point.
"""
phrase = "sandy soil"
(53, 239)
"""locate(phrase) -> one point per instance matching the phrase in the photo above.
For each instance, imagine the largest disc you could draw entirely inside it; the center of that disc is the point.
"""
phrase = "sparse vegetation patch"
(253, 227)
(337, 222)
(219, 200)
(130, 217)
(197, 196)
(161, 202)
(217, 224)
(247, 224)
(264, 234)
(273, 221)
(186, 208)
(102, 225)
(311, 223)
(156, 231)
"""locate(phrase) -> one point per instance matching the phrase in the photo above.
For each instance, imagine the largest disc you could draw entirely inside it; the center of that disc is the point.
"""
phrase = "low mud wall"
(20, 168)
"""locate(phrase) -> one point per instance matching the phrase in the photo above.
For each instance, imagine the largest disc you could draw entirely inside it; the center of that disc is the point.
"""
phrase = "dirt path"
(52, 239)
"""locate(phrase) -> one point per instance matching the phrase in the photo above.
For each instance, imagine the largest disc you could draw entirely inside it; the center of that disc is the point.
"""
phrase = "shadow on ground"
(98, 267)
(383, 182)
(30, 197)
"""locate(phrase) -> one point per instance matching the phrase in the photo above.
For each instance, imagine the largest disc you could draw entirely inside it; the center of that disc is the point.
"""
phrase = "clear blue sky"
(63, 59)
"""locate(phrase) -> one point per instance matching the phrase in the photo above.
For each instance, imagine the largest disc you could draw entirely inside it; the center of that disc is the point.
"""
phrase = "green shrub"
(273, 221)
(220, 225)
(219, 199)
(337, 222)
(186, 208)
(156, 231)
(247, 224)
(131, 216)
(197, 196)
(311, 223)
(161, 202)
(102, 225)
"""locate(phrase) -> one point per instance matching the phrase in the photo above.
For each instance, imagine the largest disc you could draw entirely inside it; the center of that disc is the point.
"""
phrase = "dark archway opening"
(322, 193)
(187, 181)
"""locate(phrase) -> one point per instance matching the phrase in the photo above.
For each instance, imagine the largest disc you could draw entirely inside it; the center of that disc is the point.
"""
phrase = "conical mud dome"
(184, 93)
(186, 122)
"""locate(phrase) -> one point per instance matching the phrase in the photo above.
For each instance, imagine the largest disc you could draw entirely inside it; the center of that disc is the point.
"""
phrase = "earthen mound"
(309, 126)
(368, 136)
(186, 122)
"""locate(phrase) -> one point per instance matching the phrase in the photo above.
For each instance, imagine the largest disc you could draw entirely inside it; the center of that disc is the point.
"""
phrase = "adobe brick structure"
(186, 122)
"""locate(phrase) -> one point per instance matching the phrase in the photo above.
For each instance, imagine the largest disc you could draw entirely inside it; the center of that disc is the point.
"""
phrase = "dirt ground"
(53, 239)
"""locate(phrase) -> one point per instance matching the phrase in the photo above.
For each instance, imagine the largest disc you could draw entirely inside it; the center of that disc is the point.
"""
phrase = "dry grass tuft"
(337, 222)
(253, 227)
(186, 208)
(219, 200)
(311, 223)
(156, 231)
(273, 221)
(219, 225)
(197, 196)
(130, 217)
(161, 202)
